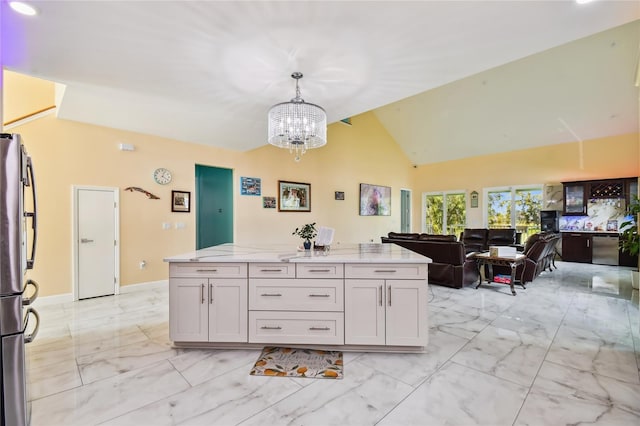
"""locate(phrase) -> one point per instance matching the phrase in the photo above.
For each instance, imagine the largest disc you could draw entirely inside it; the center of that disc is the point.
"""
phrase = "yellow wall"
(67, 153)
(24, 95)
(616, 156)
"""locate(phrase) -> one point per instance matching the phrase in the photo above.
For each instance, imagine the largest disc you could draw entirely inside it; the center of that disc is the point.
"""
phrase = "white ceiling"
(433, 71)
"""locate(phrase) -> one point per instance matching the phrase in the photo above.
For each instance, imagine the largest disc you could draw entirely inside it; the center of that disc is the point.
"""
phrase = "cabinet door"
(364, 312)
(576, 247)
(227, 310)
(188, 309)
(575, 202)
(406, 314)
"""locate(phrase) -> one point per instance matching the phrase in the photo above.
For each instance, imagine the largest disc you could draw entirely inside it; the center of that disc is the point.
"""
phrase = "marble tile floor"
(564, 351)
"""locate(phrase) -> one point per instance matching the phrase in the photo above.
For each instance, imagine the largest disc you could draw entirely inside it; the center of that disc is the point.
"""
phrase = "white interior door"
(96, 242)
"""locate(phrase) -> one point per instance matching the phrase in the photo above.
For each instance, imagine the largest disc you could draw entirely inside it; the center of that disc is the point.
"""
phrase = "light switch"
(166, 225)
(181, 225)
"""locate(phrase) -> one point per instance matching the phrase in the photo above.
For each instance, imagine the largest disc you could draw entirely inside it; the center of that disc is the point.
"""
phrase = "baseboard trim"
(143, 286)
(55, 299)
(68, 297)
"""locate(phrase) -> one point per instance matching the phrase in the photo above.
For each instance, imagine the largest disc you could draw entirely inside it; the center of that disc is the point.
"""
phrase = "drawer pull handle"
(271, 294)
(264, 327)
(206, 270)
(319, 328)
(385, 270)
(319, 295)
(319, 270)
(270, 270)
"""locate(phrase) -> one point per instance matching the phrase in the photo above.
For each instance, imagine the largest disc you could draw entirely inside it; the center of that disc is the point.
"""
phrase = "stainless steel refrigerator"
(18, 234)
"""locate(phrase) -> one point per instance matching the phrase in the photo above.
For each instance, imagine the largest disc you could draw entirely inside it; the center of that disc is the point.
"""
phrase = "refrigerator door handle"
(29, 300)
(33, 215)
(28, 338)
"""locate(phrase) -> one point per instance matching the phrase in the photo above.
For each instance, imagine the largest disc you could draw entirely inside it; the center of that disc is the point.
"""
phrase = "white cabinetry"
(350, 304)
(188, 312)
(296, 303)
(209, 308)
(388, 312)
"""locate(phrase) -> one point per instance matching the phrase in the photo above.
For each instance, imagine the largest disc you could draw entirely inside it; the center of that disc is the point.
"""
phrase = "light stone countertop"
(341, 253)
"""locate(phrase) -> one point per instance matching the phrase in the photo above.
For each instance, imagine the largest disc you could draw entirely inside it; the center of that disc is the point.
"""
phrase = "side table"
(511, 261)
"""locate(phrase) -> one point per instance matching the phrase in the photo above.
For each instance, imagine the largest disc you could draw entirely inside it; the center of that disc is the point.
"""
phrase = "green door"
(214, 206)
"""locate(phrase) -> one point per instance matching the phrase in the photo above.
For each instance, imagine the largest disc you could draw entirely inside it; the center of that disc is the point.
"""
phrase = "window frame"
(513, 189)
(444, 194)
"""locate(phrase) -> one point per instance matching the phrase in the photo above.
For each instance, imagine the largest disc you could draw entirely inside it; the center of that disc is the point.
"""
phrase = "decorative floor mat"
(294, 362)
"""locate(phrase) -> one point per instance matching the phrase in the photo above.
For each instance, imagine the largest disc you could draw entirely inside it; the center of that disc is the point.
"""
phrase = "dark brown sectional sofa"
(450, 265)
(480, 239)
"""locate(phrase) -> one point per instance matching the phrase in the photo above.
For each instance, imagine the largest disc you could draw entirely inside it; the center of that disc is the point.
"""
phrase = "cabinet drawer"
(223, 270)
(296, 295)
(386, 271)
(319, 270)
(272, 270)
(296, 327)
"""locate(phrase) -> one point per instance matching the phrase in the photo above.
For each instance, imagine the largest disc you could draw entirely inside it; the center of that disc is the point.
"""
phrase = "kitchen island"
(364, 297)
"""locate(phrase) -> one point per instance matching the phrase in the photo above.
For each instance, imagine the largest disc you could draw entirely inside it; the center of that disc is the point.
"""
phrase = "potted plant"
(629, 238)
(307, 232)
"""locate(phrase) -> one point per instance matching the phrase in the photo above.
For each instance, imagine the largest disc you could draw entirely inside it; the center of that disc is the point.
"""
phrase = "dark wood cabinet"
(576, 247)
(631, 189)
(575, 198)
(577, 194)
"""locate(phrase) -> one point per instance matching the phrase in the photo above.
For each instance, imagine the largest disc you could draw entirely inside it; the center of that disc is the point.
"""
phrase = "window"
(515, 208)
(445, 212)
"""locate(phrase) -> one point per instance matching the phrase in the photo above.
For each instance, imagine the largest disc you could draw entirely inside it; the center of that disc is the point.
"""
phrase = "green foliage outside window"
(528, 203)
(499, 205)
(456, 213)
(527, 210)
(435, 214)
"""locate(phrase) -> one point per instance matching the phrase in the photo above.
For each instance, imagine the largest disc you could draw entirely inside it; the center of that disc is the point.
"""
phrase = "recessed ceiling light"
(22, 8)
(583, 1)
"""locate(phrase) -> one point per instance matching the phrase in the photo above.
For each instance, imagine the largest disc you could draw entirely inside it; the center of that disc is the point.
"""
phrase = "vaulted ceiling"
(447, 79)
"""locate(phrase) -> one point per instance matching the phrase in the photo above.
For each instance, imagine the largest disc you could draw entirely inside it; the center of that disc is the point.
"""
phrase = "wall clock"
(162, 176)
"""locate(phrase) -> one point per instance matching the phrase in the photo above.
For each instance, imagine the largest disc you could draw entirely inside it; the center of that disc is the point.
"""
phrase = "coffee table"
(511, 261)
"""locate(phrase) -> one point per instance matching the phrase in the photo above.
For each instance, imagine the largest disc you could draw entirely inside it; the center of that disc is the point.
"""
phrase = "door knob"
(85, 240)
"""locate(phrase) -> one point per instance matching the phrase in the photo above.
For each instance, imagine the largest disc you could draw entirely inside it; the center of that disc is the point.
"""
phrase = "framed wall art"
(269, 202)
(181, 201)
(294, 196)
(250, 186)
(375, 200)
(474, 199)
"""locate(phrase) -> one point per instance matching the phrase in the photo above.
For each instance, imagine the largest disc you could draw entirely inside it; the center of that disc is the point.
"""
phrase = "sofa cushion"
(475, 234)
(501, 237)
(530, 241)
(402, 236)
(434, 237)
(449, 252)
(474, 239)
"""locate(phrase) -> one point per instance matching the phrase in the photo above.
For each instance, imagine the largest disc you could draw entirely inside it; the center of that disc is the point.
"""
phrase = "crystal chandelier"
(297, 125)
